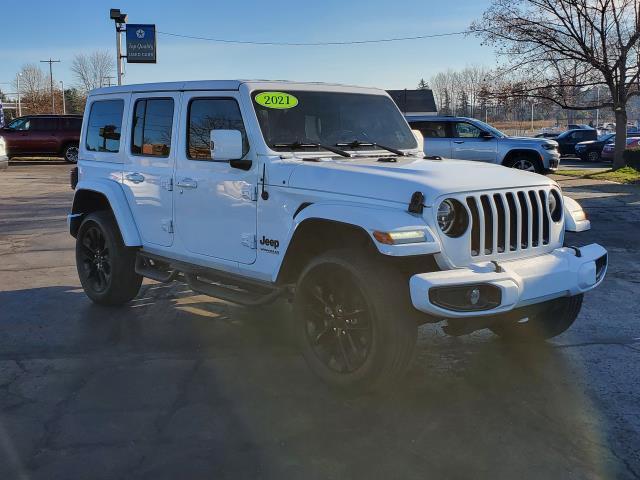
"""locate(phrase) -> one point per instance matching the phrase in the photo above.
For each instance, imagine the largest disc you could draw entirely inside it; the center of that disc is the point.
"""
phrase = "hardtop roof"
(222, 85)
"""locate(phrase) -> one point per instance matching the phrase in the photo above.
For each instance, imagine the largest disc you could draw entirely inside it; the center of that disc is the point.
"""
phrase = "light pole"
(120, 20)
(64, 103)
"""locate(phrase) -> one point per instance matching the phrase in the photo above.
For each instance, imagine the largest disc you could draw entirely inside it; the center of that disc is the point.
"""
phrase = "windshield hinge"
(249, 240)
(167, 225)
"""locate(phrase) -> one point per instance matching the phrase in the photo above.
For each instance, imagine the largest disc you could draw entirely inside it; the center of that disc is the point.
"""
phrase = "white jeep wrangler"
(253, 190)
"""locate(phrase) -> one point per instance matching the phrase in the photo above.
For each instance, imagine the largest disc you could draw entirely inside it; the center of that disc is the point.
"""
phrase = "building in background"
(414, 102)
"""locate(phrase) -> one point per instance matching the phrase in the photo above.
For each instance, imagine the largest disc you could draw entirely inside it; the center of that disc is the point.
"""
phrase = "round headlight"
(452, 218)
(555, 205)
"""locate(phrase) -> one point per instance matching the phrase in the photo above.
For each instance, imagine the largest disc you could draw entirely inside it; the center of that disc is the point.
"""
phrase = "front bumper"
(551, 159)
(563, 272)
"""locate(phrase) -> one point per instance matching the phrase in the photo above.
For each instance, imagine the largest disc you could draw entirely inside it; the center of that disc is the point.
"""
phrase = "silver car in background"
(469, 139)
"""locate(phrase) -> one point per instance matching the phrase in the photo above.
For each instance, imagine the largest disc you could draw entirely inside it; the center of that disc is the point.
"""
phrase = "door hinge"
(250, 192)
(167, 225)
(249, 240)
(167, 184)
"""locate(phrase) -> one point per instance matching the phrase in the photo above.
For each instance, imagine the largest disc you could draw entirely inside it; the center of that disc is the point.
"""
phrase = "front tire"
(549, 320)
(354, 321)
(106, 267)
(524, 162)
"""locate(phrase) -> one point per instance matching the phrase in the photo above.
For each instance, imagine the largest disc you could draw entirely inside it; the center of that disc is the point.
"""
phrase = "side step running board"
(233, 293)
(222, 285)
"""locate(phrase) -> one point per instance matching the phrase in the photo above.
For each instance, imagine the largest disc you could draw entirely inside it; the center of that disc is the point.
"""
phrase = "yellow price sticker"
(279, 100)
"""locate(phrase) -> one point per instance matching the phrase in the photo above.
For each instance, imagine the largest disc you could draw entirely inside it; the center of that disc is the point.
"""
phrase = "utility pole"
(64, 103)
(53, 99)
(18, 88)
(120, 19)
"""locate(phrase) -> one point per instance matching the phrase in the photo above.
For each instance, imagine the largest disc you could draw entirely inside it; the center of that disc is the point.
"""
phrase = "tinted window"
(152, 124)
(71, 124)
(206, 114)
(466, 130)
(431, 129)
(44, 124)
(104, 125)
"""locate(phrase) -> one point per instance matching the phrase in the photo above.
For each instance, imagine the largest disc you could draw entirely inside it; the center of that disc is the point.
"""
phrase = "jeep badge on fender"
(367, 237)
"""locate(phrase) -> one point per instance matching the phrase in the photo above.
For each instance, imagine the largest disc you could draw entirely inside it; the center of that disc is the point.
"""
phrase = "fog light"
(466, 298)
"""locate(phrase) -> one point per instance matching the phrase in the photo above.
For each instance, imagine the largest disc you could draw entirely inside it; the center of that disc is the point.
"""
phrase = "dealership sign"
(141, 43)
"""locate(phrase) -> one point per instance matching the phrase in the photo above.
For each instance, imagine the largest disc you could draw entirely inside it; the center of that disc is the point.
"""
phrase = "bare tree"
(35, 89)
(92, 70)
(567, 47)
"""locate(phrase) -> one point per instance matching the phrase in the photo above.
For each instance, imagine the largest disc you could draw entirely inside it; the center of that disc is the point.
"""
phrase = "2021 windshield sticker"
(280, 100)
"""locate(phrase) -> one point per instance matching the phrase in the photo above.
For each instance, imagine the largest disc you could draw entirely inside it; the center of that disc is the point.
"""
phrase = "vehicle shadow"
(229, 397)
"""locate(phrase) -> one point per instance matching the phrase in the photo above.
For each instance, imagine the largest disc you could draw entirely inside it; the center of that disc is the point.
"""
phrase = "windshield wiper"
(297, 145)
(357, 143)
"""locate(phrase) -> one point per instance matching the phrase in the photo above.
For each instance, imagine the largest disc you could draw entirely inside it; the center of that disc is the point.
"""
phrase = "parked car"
(609, 150)
(469, 139)
(568, 140)
(50, 135)
(580, 126)
(591, 150)
(551, 135)
(252, 191)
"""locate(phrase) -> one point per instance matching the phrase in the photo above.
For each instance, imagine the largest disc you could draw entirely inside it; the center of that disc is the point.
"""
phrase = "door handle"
(187, 183)
(458, 141)
(135, 177)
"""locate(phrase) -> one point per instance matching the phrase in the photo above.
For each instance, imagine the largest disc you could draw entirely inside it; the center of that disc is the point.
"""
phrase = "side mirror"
(485, 135)
(226, 145)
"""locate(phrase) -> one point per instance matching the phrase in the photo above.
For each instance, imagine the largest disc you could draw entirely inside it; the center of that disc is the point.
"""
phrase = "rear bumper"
(564, 272)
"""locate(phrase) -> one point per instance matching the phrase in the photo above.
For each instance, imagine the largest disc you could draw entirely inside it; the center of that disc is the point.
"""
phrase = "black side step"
(240, 292)
(155, 269)
(225, 286)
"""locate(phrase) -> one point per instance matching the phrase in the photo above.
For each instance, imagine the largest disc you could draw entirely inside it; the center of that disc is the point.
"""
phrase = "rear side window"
(71, 124)
(206, 114)
(431, 129)
(104, 126)
(152, 125)
(44, 124)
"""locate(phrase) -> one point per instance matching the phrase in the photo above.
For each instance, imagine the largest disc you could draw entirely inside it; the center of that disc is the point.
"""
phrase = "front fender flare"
(575, 220)
(119, 206)
(370, 219)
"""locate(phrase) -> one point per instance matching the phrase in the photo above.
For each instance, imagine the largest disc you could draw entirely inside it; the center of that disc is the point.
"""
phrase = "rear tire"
(70, 153)
(550, 320)
(106, 267)
(593, 156)
(354, 321)
(524, 162)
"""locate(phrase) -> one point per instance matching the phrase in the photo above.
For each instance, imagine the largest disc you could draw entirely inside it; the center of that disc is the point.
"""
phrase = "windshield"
(311, 119)
(494, 131)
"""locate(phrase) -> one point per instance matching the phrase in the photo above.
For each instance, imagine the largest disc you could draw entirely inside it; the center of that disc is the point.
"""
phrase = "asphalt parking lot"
(178, 385)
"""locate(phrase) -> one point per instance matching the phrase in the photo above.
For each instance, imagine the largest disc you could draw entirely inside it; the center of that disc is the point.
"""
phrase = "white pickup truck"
(252, 190)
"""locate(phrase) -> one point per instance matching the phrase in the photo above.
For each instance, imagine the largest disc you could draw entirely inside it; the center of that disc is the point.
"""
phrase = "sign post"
(141, 43)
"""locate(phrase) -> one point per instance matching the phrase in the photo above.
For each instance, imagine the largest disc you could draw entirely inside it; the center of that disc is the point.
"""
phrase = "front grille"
(508, 221)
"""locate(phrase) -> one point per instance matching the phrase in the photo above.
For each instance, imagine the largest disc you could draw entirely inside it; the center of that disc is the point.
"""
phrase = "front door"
(215, 203)
(150, 156)
(468, 144)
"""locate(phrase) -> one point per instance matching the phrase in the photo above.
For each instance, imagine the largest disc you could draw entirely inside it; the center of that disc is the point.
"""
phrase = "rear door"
(43, 135)
(148, 170)
(437, 137)
(215, 203)
(468, 144)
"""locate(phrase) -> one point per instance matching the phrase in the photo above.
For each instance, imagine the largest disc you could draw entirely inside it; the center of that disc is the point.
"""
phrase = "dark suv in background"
(568, 140)
(50, 135)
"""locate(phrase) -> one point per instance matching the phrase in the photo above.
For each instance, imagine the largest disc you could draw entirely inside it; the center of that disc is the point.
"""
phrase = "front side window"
(104, 126)
(152, 124)
(331, 118)
(20, 124)
(431, 129)
(206, 114)
(466, 130)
